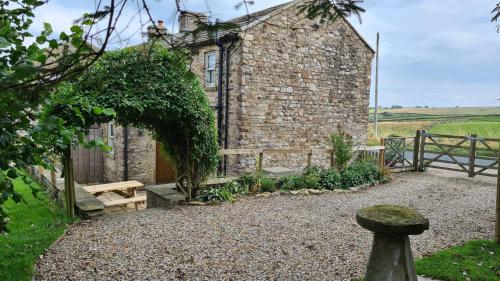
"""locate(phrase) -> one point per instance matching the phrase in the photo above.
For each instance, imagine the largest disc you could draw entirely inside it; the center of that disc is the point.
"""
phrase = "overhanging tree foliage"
(152, 87)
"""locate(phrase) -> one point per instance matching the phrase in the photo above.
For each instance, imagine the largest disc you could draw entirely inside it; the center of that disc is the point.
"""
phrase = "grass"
(404, 129)
(477, 260)
(483, 129)
(34, 225)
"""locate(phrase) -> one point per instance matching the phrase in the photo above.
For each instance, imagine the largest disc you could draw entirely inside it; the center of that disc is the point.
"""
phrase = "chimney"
(189, 21)
(160, 26)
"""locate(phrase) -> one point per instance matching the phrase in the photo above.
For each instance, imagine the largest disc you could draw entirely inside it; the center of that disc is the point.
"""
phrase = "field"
(34, 225)
(484, 122)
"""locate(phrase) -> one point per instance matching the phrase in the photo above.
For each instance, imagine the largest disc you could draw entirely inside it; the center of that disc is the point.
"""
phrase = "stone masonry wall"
(298, 82)
(141, 156)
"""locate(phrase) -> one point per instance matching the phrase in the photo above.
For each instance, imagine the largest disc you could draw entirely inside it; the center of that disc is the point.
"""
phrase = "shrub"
(310, 181)
(236, 188)
(290, 182)
(250, 182)
(312, 170)
(267, 184)
(216, 194)
(342, 144)
(330, 179)
(362, 172)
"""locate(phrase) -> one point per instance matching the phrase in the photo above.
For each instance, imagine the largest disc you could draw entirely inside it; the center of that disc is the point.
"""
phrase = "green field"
(34, 225)
(438, 114)
(484, 122)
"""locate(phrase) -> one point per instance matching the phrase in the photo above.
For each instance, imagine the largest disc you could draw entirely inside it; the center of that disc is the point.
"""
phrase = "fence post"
(416, 148)
(332, 160)
(69, 183)
(381, 154)
(497, 225)
(421, 152)
(53, 180)
(472, 155)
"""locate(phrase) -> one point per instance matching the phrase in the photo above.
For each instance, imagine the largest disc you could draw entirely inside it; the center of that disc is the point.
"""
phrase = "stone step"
(163, 196)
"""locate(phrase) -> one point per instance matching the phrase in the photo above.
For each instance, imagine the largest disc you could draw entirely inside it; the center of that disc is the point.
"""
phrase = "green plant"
(236, 188)
(290, 182)
(216, 194)
(312, 170)
(341, 144)
(311, 181)
(267, 184)
(330, 179)
(362, 172)
(250, 182)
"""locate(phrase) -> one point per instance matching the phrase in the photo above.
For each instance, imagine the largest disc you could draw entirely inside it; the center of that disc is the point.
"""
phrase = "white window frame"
(111, 137)
(210, 65)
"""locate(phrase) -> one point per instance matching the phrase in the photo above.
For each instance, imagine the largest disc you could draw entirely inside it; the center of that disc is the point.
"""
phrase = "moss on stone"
(392, 219)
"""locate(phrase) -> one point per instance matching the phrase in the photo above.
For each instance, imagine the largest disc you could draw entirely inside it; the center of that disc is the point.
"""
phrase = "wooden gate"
(88, 164)
(401, 153)
(469, 154)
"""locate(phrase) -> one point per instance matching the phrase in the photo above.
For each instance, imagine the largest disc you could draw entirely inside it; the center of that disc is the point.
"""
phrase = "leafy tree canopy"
(152, 87)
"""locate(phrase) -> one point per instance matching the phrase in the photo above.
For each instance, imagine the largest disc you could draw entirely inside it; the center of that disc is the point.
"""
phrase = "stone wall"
(141, 156)
(299, 81)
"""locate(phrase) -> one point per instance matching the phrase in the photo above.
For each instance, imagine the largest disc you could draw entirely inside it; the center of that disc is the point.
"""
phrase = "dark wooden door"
(165, 169)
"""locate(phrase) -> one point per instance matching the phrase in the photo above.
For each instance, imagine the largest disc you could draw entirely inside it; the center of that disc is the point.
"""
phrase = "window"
(111, 136)
(210, 59)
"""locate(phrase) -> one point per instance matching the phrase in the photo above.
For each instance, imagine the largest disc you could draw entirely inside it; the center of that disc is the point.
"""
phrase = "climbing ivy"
(152, 87)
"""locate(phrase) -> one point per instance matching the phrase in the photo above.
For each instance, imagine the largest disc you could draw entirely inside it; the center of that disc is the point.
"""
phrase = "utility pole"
(376, 85)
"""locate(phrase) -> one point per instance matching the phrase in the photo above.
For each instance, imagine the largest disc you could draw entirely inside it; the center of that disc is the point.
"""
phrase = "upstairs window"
(210, 59)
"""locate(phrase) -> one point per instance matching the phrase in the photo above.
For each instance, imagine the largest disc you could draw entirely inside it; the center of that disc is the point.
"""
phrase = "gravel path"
(277, 238)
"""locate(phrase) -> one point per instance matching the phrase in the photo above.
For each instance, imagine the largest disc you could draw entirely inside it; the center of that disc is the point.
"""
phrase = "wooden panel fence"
(88, 164)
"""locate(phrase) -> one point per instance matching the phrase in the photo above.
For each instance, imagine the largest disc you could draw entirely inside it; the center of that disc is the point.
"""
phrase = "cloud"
(436, 52)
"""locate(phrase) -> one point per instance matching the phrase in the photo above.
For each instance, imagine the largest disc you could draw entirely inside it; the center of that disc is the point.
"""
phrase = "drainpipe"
(219, 44)
(125, 153)
(226, 106)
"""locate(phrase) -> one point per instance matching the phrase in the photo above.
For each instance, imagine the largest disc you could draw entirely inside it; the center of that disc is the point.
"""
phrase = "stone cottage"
(277, 81)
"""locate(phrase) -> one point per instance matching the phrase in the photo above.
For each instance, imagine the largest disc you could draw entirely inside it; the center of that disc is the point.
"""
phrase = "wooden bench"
(119, 202)
(127, 187)
(216, 181)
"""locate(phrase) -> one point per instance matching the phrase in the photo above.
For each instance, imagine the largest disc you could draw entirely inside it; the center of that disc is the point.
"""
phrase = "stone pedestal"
(391, 258)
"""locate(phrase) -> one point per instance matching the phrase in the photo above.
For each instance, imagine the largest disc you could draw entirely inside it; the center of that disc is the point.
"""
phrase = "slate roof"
(242, 22)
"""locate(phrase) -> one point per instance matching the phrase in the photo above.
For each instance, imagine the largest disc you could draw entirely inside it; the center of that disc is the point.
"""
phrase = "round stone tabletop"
(392, 219)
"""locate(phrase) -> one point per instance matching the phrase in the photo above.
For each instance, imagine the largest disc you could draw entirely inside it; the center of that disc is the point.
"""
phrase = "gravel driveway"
(278, 238)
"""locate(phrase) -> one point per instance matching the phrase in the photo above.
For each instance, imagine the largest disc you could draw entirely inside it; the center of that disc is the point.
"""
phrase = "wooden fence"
(373, 151)
(88, 164)
(469, 154)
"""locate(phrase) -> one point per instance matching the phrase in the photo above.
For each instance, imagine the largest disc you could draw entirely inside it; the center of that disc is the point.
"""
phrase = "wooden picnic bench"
(126, 189)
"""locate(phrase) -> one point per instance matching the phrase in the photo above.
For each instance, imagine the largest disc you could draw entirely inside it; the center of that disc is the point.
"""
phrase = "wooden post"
(416, 147)
(497, 226)
(260, 158)
(69, 184)
(381, 154)
(53, 180)
(472, 155)
(309, 159)
(332, 160)
(421, 152)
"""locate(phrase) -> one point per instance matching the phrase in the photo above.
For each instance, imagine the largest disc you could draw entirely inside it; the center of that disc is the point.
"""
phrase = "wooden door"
(165, 169)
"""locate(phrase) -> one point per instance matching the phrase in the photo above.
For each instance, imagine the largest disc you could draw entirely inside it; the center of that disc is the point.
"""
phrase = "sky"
(432, 53)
